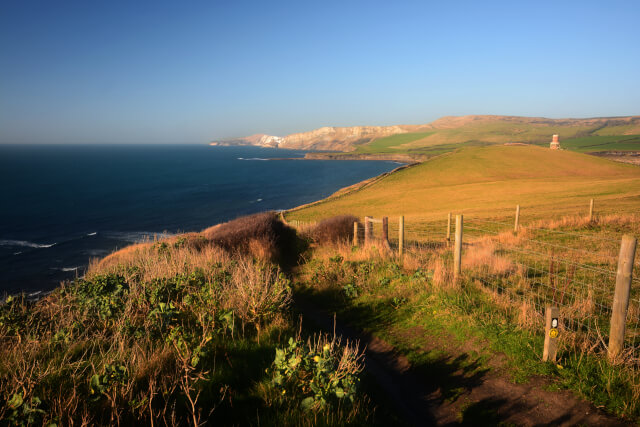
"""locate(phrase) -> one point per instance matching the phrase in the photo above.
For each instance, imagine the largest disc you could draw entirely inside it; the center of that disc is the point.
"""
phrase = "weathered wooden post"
(515, 227)
(401, 235)
(368, 230)
(551, 333)
(591, 211)
(385, 231)
(621, 296)
(449, 227)
(457, 252)
(355, 233)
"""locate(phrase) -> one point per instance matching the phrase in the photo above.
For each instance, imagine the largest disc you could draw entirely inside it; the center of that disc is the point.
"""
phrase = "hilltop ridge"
(474, 129)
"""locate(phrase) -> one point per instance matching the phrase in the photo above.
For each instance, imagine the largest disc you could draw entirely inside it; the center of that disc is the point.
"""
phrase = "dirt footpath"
(455, 389)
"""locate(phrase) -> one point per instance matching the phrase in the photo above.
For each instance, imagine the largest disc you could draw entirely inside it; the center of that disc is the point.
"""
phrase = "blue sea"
(63, 205)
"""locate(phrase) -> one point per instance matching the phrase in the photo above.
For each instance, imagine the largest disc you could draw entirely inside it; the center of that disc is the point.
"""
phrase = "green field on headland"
(491, 181)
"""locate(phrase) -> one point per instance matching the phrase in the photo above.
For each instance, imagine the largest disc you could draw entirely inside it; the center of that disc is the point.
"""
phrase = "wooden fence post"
(457, 252)
(591, 210)
(355, 233)
(368, 230)
(621, 296)
(551, 333)
(385, 231)
(515, 227)
(449, 227)
(401, 235)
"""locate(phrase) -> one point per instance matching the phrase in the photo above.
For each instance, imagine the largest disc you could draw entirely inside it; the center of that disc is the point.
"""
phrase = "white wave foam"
(92, 234)
(259, 200)
(97, 252)
(137, 236)
(252, 159)
(24, 243)
(69, 268)
(17, 253)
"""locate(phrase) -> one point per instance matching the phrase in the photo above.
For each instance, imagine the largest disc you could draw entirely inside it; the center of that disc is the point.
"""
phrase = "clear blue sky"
(192, 71)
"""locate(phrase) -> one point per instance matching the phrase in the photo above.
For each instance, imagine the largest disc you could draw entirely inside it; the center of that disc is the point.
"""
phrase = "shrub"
(333, 230)
(257, 292)
(320, 372)
(261, 235)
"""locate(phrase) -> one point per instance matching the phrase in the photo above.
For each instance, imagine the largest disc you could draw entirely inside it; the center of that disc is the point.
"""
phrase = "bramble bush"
(319, 373)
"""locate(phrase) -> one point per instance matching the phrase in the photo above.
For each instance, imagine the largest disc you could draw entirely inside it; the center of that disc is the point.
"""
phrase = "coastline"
(400, 158)
(347, 190)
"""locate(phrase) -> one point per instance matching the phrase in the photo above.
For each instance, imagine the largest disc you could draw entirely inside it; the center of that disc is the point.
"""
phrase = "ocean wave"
(252, 159)
(69, 268)
(92, 234)
(17, 253)
(25, 244)
(136, 236)
(97, 252)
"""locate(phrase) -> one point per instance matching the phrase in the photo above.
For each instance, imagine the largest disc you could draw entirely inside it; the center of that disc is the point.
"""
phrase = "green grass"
(390, 143)
(451, 133)
(140, 342)
(592, 144)
(389, 302)
(490, 182)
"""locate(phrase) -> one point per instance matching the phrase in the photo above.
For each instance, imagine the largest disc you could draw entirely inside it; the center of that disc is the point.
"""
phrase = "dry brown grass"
(145, 262)
(333, 230)
(179, 294)
(631, 222)
(261, 235)
(481, 255)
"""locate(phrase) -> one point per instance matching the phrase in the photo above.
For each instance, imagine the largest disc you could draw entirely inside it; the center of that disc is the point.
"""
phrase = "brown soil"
(457, 389)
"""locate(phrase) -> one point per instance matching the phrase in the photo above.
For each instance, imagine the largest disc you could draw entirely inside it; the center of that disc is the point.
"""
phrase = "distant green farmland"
(387, 144)
(592, 144)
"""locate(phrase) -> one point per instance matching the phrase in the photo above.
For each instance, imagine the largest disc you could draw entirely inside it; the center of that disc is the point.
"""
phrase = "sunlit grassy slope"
(490, 181)
(390, 144)
(449, 133)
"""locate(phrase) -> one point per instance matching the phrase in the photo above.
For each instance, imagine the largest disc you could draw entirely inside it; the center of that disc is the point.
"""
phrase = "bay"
(62, 205)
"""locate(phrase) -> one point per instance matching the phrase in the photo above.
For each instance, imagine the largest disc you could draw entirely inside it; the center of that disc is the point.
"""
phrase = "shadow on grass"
(413, 387)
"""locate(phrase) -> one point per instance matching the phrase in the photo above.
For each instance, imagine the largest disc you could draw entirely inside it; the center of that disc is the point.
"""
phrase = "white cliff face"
(324, 138)
(270, 141)
(340, 138)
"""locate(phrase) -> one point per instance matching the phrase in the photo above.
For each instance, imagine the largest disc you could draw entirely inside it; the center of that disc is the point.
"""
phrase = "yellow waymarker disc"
(553, 333)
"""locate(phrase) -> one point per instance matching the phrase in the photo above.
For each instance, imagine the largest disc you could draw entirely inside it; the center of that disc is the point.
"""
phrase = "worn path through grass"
(432, 379)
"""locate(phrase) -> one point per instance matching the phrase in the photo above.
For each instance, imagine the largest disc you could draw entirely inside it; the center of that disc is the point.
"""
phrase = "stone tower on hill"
(555, 144)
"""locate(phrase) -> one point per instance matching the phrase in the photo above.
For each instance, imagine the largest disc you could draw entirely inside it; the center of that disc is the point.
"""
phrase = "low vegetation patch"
(336, 229)
(182, 331)
(389, 298)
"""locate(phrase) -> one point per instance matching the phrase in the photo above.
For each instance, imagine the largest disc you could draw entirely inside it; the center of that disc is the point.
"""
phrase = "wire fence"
(569, 263)
(538, 267)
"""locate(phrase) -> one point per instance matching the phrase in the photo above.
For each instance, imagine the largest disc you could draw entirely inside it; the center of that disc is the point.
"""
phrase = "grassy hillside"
(490, 181)
(391, 143)
(449, 133)
(591, 144)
